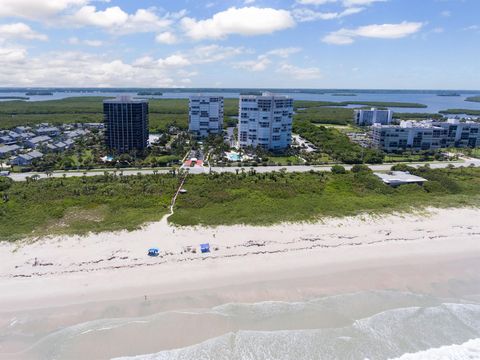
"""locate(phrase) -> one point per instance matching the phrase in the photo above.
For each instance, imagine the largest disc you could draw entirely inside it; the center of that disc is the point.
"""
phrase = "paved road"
(258, 169)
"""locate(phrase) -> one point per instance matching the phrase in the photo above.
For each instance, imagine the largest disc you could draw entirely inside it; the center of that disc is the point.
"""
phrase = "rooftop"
(395, 178)
(125, 100)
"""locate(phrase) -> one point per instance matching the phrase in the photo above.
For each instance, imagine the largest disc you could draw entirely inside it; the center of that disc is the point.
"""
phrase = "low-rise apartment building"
(426, 135)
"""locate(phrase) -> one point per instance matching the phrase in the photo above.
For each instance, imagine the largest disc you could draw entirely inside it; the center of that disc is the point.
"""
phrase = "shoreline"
(106, 285)
(118, 261)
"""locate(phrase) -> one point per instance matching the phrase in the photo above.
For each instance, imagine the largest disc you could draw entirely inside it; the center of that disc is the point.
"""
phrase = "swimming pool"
(233, 156)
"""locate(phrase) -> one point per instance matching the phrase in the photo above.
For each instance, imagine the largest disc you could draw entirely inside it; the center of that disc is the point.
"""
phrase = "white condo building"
(205, 115)
(426, 135)
(373, 116)
(265, 121)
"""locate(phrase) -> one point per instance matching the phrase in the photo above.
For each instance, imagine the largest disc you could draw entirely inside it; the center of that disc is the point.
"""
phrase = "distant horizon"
(186, 89)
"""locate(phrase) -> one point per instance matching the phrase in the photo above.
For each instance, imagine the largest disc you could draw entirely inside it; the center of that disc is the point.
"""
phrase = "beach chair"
(153, 252)
(205, 248)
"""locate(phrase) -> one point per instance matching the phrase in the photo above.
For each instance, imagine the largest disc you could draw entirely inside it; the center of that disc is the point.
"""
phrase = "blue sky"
(404, 44)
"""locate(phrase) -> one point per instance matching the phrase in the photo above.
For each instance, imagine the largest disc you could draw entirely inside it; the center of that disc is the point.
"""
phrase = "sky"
(362, 44)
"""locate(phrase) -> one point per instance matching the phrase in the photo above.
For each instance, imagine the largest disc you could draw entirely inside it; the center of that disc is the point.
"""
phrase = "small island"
(448, 94)
(39, 93)
(473, 99)
(340, 94)
(149, 93)
(14, 98)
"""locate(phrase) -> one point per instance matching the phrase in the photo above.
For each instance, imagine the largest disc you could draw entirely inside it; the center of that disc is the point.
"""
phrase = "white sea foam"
(367, 325)
(466, 351)
(385, 334)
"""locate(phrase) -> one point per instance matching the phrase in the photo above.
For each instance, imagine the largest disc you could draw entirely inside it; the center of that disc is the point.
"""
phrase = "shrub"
(402, 167)
(360, 168)
(5, 183)
(338, 169)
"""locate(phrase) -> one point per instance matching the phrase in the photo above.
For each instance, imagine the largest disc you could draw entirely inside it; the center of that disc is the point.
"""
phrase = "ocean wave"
(365, 325)
(466, 351)
(387, 334)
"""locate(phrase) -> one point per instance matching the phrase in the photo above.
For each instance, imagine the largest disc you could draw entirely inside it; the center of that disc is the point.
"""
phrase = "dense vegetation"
(115, 202)
(461, 112)
(163, 112)
(325, 115)
(473, 99)
(417, 116)
(219, 199)
(336, 144)
(83, 204)
(303, 104)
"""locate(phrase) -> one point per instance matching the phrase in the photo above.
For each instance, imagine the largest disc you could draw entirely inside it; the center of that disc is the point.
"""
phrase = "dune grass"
(113, 202)
(84, 204)
(264, 199)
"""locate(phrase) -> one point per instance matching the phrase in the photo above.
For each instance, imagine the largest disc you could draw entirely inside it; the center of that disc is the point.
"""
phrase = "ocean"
(365, 325)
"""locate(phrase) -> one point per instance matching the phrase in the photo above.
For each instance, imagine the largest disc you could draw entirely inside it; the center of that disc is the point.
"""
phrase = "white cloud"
(36, 9)
(89, 15)
(355, 3)
(213, 53)
(284, 52)
(94, 43)
(11, 55)
(77, 41)
(85, 70)
(198, 55)
(117, 21)
(299, 73)
(260, 64)
(166, 37)
(346, 3)
(20, 31)
(315, 2)
(305, 15)
(383, 31)
(242, 21)
(173, 61)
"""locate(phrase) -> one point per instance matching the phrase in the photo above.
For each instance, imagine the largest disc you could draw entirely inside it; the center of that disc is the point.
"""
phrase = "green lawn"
(285, 160)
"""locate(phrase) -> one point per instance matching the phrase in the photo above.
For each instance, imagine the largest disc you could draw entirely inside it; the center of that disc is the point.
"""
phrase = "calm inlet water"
(434, 102)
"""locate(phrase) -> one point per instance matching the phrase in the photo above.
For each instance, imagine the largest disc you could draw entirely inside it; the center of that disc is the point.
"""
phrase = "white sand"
(72, 270)
(63, 281)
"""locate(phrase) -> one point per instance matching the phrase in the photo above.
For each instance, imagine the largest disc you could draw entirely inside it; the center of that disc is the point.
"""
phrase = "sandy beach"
(61, 282)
